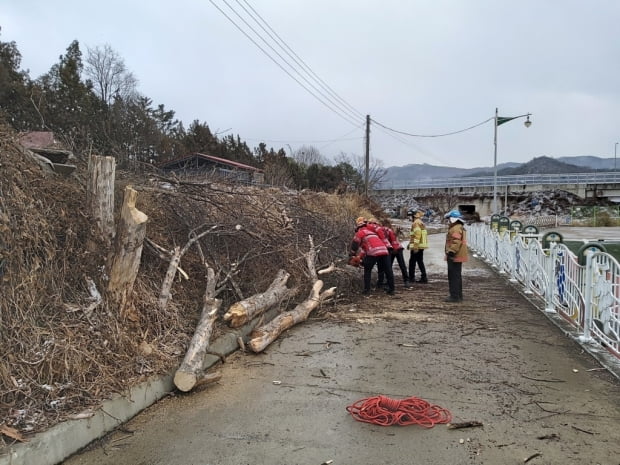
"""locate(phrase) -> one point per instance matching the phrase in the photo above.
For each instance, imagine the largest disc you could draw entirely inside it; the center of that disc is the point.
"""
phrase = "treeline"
(92, 105)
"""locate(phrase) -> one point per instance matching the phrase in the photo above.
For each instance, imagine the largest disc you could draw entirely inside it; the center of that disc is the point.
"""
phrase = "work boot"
(452, 299)
(423, 280)
(407, 284)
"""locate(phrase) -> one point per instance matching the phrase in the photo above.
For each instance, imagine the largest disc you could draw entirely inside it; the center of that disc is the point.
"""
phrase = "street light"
(615, 148)
(501, 120)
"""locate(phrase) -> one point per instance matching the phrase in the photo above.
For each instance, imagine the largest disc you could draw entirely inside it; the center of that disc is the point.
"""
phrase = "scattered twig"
(464, 424)
(548, 411)
(544, 380)
(533, 456)
(583, 430)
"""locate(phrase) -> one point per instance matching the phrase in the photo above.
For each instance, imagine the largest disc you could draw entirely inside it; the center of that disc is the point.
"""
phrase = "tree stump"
(100, 195)
(125, 259)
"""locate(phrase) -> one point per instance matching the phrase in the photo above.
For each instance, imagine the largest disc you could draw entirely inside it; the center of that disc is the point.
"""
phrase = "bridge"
(600, 185)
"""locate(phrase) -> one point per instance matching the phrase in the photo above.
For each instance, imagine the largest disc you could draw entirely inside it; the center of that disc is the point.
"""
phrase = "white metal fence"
(587, 296)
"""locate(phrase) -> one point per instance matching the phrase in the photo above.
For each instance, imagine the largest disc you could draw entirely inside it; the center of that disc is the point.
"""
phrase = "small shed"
(197, 164)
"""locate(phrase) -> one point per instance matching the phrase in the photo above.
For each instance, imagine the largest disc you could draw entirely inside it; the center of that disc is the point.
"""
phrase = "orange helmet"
(360, 221)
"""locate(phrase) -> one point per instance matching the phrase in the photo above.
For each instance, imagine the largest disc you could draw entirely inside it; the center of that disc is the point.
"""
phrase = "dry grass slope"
(58, 361)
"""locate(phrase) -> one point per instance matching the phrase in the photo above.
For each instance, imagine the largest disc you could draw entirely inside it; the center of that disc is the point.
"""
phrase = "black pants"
(455, 281)
(417, 258)
(383, 264)
(398, 255)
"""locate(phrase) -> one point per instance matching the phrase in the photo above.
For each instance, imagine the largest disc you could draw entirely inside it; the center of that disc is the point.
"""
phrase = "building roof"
(222, 161)
(37, 139)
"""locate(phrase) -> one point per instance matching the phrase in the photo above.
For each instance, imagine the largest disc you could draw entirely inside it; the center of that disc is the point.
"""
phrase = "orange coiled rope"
(381, 410)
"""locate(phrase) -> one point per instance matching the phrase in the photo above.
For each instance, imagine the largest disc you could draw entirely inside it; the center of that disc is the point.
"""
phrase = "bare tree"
(308, 155)
(376, 172)
(109, 75)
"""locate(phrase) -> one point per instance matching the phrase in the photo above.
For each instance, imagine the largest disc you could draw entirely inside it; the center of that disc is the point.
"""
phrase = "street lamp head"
(527, 123)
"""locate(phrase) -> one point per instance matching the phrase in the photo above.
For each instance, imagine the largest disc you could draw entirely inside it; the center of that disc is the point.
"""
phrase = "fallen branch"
(164, 295)
(188, 374)
(241, 312)
(329, 269)
(163, 254)
(266, 334)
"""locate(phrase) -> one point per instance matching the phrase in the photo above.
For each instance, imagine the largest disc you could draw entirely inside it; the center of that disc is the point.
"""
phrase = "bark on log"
(266, 334)
(100, 195)
(190, 371)
(125, 259)
(243, 311)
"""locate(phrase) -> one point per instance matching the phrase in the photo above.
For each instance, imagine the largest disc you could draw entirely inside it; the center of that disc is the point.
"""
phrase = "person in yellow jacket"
(456, 254)
(417, 243)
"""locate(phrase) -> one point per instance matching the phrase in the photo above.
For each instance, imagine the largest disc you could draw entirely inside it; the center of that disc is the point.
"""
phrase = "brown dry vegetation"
(57, 359)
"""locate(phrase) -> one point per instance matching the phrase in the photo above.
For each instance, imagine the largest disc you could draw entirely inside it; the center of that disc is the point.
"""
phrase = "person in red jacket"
(396, 253)
(374, 251)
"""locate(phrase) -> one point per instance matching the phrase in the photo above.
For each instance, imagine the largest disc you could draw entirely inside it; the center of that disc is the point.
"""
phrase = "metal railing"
(587, 296)
(522, 179)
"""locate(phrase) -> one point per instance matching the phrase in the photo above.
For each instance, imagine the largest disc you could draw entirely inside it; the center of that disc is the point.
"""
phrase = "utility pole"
(367, 166)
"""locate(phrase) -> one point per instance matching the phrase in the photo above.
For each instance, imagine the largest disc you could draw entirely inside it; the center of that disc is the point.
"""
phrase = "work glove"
(451, 256)
(355, 261)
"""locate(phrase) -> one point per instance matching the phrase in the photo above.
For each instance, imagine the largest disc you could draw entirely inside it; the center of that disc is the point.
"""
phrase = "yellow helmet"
(360, 221)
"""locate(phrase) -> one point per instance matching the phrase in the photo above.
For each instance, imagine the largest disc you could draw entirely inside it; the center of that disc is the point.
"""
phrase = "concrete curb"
(59, 442)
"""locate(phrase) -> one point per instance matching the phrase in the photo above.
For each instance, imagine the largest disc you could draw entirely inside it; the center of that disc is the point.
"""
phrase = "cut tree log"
(100, 196)
(125, 259)
(191, 370)
(243, 311)
(261, 337)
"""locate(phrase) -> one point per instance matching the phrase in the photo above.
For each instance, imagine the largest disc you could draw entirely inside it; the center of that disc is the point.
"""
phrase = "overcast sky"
(424, 67)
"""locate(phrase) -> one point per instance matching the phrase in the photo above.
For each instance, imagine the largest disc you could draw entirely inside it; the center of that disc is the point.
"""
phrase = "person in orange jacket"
(374, 251)
(456, 254)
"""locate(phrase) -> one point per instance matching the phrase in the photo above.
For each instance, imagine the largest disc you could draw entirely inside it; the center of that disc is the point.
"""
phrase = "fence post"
(514, 262)
(551, 279)
(587, 310)
(528, 274)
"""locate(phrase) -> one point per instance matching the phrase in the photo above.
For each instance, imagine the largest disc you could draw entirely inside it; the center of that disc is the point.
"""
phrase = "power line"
(434, 135)
(337, 105)
(300, 62)
(336, 110)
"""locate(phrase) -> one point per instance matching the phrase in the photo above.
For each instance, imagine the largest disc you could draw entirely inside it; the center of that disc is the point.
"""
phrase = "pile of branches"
(64, 352)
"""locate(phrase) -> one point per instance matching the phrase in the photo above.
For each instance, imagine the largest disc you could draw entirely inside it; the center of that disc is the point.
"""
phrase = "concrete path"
(495, 358)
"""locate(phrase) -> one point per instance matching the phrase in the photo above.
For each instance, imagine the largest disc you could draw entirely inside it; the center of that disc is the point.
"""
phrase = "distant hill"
(544, 165)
